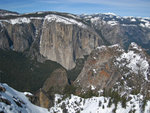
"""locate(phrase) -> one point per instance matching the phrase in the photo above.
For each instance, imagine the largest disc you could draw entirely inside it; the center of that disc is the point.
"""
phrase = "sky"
(137, 8)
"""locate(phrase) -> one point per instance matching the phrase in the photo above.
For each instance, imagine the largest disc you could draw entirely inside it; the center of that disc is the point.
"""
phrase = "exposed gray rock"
(65, 43)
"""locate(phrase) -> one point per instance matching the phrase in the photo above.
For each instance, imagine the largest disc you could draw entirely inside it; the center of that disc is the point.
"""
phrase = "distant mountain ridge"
(7, 13)
(84, 32)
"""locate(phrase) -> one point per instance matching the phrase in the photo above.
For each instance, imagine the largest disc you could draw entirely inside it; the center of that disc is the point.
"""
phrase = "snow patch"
(28, 93)
(133, 20)
(135, 46)
(145, 23)
(112, 23)
(94, 70)
(9, 14)
(94, 58)
(101, 47)
(93, 87)
(113, 14)
(20, 20)
(95, 19)
(128, 25)
(36, 18)
(62, 19)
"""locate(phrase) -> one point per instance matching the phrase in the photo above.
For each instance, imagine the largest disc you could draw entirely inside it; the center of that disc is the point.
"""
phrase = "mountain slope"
(7, 13)
(56, 36)
(111, 67)
(12, 101)
(64, 37)
(22, 73)
(119, 75)
(75, 104)
(115, 29)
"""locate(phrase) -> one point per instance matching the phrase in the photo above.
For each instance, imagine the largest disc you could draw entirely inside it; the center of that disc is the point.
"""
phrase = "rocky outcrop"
(99, 70)
(113, 68)
(56, 82)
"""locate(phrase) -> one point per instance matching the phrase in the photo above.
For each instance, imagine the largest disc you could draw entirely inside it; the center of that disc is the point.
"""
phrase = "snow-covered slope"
(76, 104)
(12, 101)
(62, 19)
(135, 60)
(66, 19)
(113, 19)
(7, 13)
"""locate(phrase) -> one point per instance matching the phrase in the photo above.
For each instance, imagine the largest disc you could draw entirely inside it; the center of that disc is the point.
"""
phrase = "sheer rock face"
(65, 43)
(61, 41)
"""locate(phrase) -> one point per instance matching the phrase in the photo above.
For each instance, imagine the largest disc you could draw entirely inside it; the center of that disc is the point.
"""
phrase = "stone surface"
(56, 82)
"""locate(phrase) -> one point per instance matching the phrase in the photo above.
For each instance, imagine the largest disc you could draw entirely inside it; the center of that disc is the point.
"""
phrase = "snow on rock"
(113, 14)
(12, 101)
(73, 16)
(129, 25)
(94, 58)
(8, 14)
(62, 19)
(133, 20)
(133, 45)
(116, 46)
(93, 87)
(95, 19)
(94, 70)
(36, 18)
(101, 47)
(145, 23)
(112, 23)
(50, 18)
(28, 93)
(136, 62)
(75, 104)
(20, 20)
